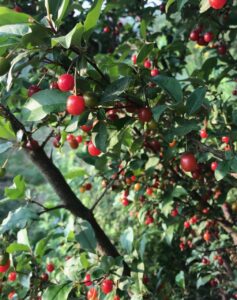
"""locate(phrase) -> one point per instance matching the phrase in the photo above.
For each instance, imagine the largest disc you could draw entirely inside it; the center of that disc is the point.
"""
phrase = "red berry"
(149, 220)
(225, 139)
(17, 8)
(134, 59)
(50, 267)
(201, 41)
(155, 145)
(174, 212)
(87, 280)
(44, 277)
(116, 297)
(188, 162)
(222, 49)
(86, 128)
(125, 202)
(92, 294)
(107, 286)
(73, 144)
(66, 82)
(205, 261)
(145, 279)
(207, 236)
(32, 145)
(144, 114)
(203, 134)
(12, 276)
(154, 72)
(213, 282)
(33, 89)
(79, 139)
(126, 193)
(186, 224)
(149, 191)
(194, 35)
(54, 85)
(75, 105)
(70, 137)
(214, 165)
(5, 267)
(106, 29)
(217, 4)
(147, 64)
(88, 186)
(208, 37)
(11, 295)
(220, 260)
(93, 151)
(234, 92)
(194, 220)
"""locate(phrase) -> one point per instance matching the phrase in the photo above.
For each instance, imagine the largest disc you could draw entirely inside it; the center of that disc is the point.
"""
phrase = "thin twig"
(51, 209)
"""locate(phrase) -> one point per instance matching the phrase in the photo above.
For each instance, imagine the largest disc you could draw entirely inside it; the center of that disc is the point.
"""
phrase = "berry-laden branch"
(63, 190)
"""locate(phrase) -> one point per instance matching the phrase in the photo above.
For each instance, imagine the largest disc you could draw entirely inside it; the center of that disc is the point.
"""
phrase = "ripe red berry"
(205, 261)
(11, 295)
(12, 276)
(234, 92)
(107, 286)
(149, 191)
(149, 220)
(222, 49)
(147, 64)
(70, 137)
(4, 267)
(225, 139)
(188, 162)
(125, 202)
(207, 236)
(194, 35)
(50, 267)
(86, 128)
(208, 37)
(79, 139)
(133, 178)
(92, 294)
(194, 220)
(66, 82)
(106, 29)
(32, 145)
(87, 280)
(217, 4)
(134, 59)
(174, 212)
(88, 186)
(203, 134)
(44, 277)
(116, 297)
(93, 151)
(54, 85)
(154, 72)
(201, 41)
(75, 105)
(213, 282)
(214, 165)
(73, 143)
(144, 114)
(33, 89)
(17, 8)
(186, 224)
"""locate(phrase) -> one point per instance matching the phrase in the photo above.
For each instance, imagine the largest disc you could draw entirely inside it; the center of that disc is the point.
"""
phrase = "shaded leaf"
(17, 190)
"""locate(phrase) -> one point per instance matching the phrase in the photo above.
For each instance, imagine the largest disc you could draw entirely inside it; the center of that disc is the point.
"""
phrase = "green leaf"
(126, 239)
(6, 131)
(15, 29)
(152, 162)
(5, 146)
(115, 89)
(168, 4)
(195, 100)
(142, 246)
(92, 18)
(169, 234)
(77, 172)
(40, 247)
(58, 292)
(43, 103)
(65, 4)
(16, 247)
(86, 237)
(203, 280)
(17, 190)
(181, 3)
(157, 111)
(222, 170)
(180, 279)
(171, 86)
(74, 37)
(18, 219)
(101, 138)
(144, 52)
(9, 16)
(143, 28)
(204, 6)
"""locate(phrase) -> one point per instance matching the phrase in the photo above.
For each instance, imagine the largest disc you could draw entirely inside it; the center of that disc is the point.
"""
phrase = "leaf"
(17, 190)
(180, 279)
(5, 146)
(126, 239)
(204, 6)
(181, 3)
(62, 10)
(157, 111)
(168, 4)
(77, 172)
(16, 247)
(15, 29)
(101, 138)
(43, 103)
(86, 237)
(203, 280)
(222, 170)
(18, 219)
(152, 162)
(143, 28)
(92, 18)
(115, 89)
(9, 16)
(58, 292)
(195, 100)
(171, 86)
(143, 53)
(169, 234)
(142, 247)
(22, 237)
(6, 131)
(40, 247)
(74, 37)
